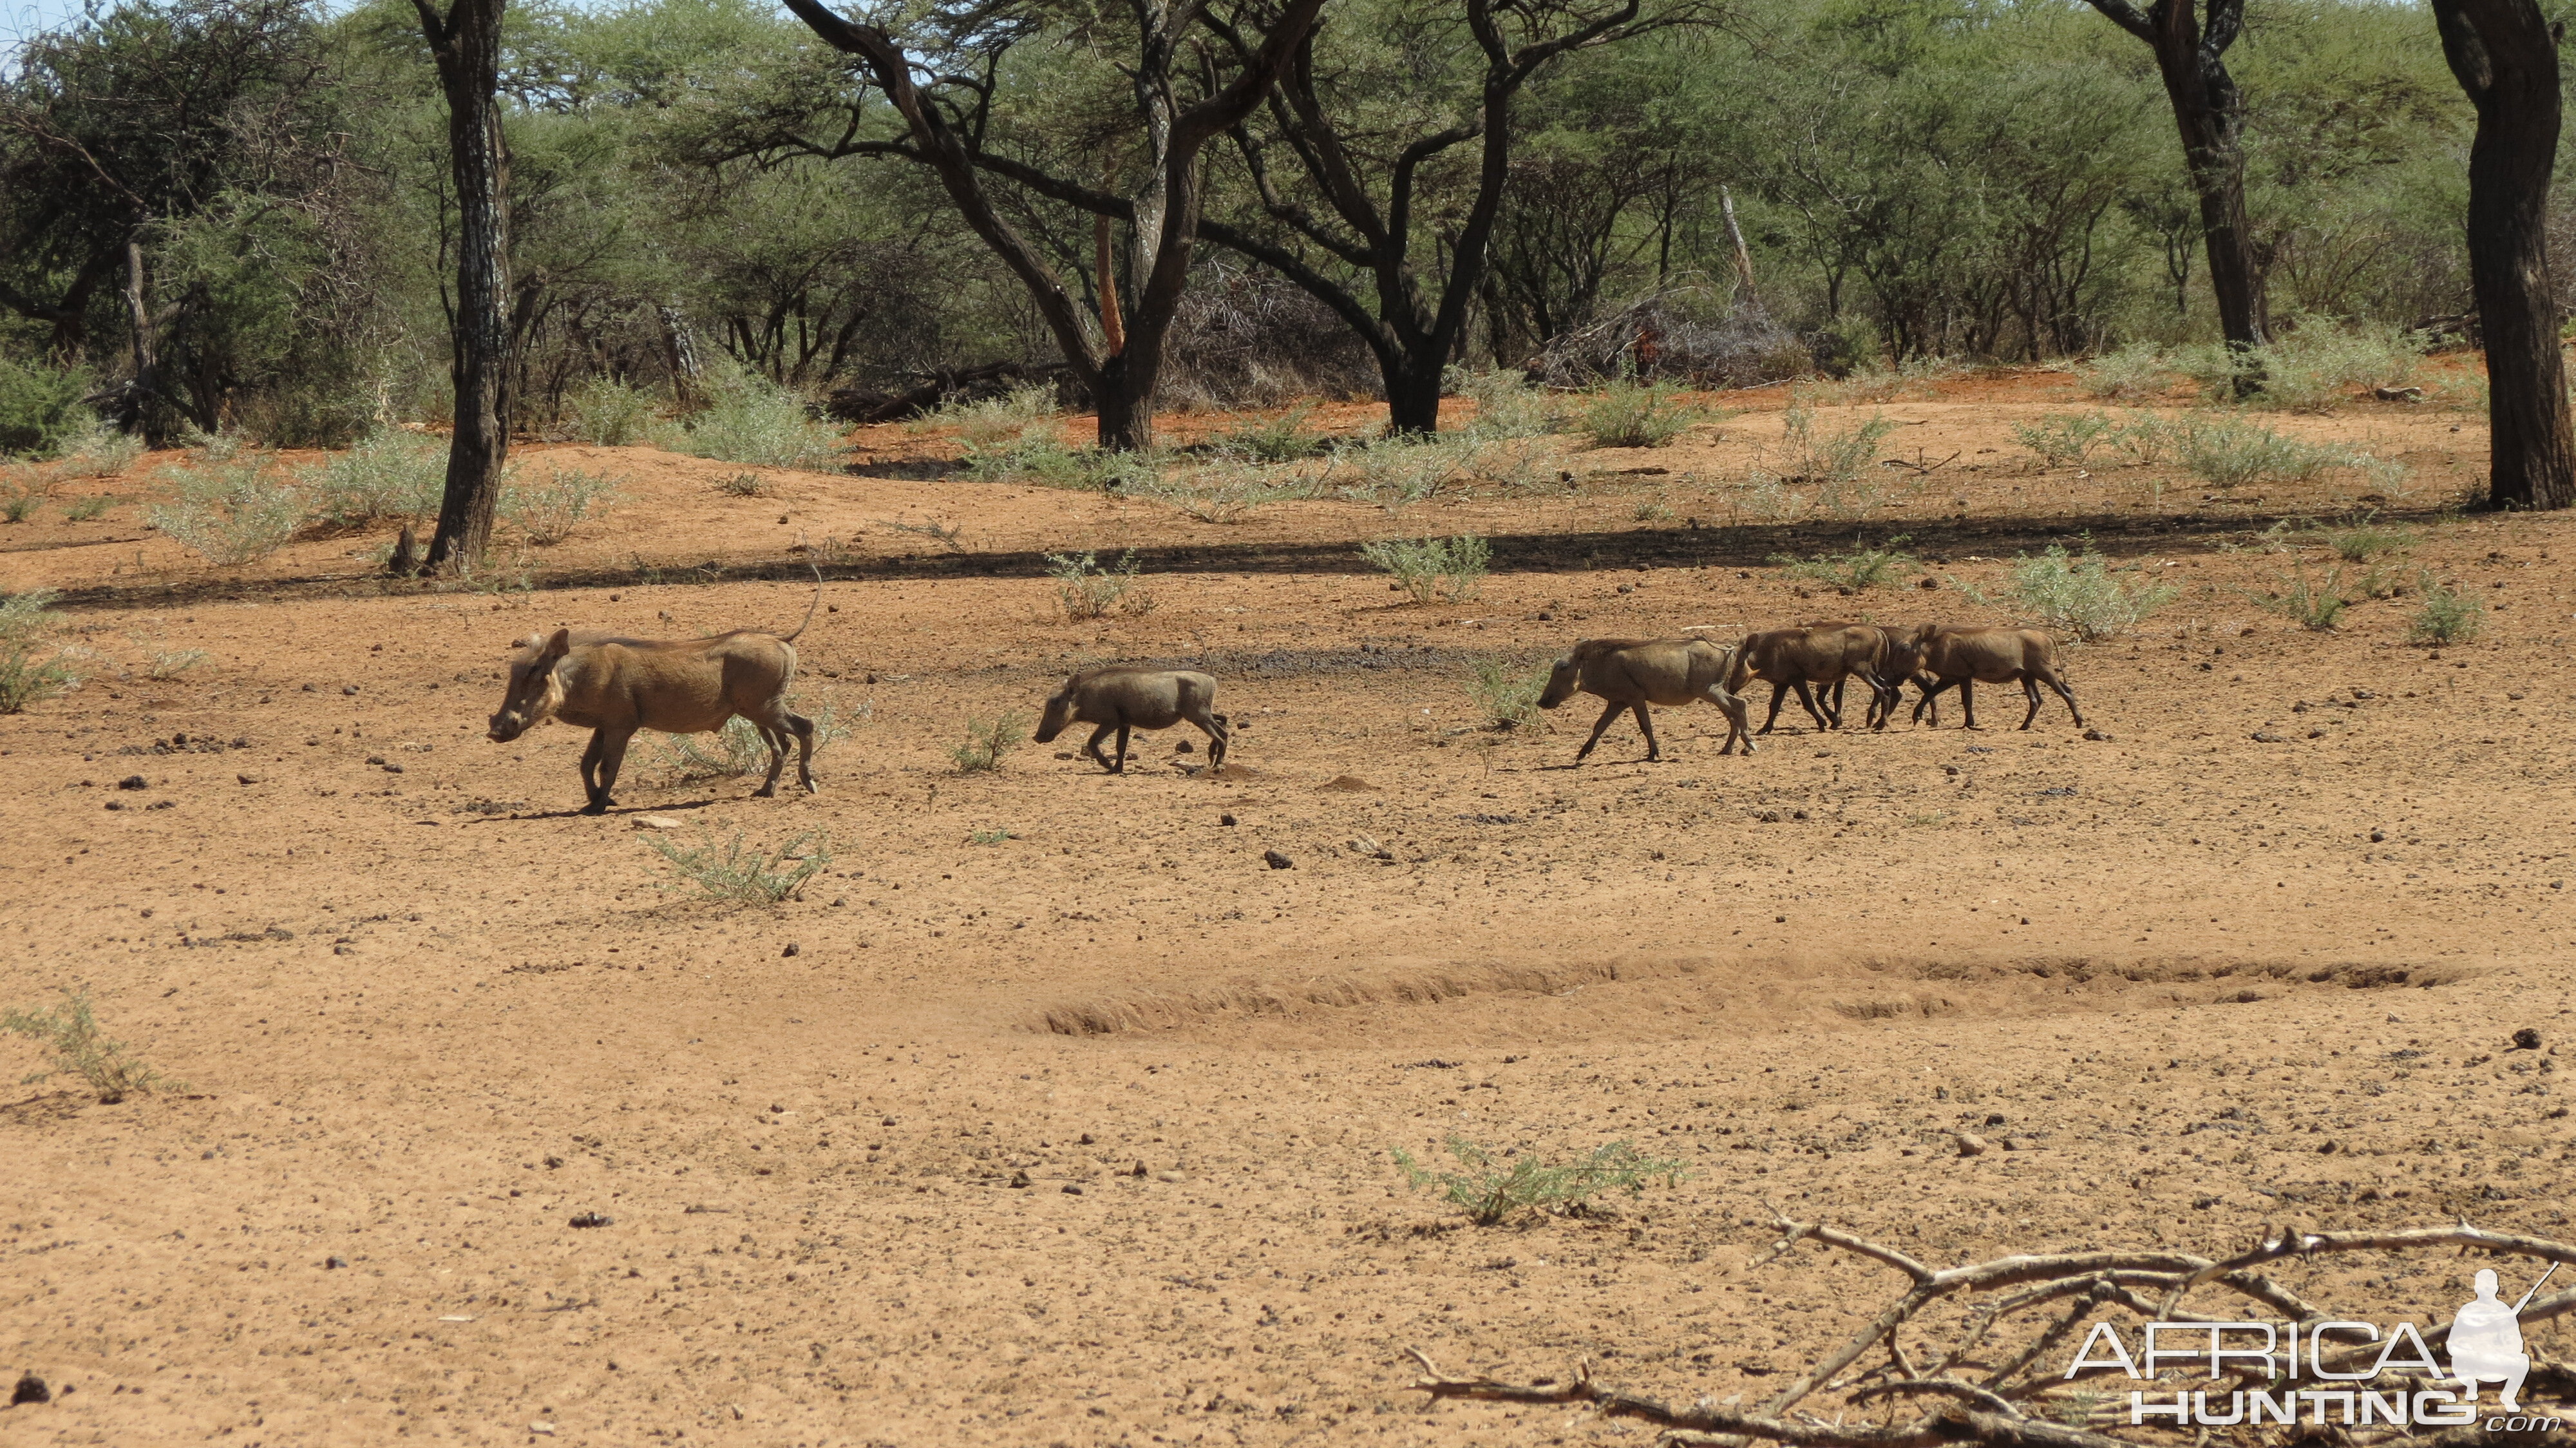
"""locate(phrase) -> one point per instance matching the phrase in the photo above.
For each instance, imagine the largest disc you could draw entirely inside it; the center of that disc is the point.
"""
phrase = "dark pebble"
(1276, 860)
(594, 1219)
(790, 950)
(134, 781)
(2526, 1039)
(30, 1389)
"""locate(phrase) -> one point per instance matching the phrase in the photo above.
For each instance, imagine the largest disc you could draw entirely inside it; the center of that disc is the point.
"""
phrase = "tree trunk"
(1413, 395)
(2209, 113)
(143, 416)
(1124, 398)
(2505, 54)
(467, 46)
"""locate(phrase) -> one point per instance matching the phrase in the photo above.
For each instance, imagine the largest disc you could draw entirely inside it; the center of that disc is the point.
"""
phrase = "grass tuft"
(384, 475)
(1855, 570)
(70, 1031)
(232, 513)
(1505, 696)
(1489, 1192)
(31, 669)
(1084, 589)
(2075, 595)
(987, 743)
(766, 426)
(2449, 615)
(1433, 569)
(1626, 414)
(547, 514)
(735, 870)
(2064, 439)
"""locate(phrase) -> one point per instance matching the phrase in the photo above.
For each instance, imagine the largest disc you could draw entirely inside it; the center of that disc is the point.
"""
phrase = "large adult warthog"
(614, 686)
(1968, 657)
(1124, 697)
(1633, 673)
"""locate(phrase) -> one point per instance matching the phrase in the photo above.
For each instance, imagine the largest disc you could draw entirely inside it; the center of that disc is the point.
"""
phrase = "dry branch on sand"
(2009, 1405)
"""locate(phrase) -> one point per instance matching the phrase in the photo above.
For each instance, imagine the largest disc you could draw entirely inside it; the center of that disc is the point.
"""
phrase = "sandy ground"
(1051, 1113)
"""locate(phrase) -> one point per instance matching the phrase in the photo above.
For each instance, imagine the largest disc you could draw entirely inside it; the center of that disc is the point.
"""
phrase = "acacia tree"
(2190, 39)
(945, 118)
(2505, 53)
(1344, 211)
(466, 43)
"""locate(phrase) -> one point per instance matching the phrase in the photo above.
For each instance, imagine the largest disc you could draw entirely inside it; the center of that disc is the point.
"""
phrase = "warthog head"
(1059, 713)
(1562, 680)
(535, 692)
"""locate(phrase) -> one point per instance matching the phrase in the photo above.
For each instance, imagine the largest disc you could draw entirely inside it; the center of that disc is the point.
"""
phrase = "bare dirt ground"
(870, 1157)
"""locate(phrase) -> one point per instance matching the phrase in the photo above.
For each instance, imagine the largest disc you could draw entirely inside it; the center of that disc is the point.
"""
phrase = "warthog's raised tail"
(790, 638)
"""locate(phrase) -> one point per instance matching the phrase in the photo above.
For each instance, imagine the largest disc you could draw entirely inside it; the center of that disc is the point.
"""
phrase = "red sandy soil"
(869, 1156)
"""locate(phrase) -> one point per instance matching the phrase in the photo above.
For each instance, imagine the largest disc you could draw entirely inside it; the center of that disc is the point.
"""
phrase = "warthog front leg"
(606, 755)
(1091, 747)
(1733, 707)
(1121, 766)
(1613, 712)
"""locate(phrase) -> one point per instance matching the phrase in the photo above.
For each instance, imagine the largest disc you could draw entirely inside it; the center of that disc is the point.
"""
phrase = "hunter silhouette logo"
(2485, 1346)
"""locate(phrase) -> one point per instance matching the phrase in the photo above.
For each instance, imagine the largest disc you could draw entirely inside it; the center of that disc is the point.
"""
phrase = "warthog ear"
(559, 645)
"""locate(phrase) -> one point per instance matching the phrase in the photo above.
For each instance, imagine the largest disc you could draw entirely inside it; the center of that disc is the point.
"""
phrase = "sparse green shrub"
(1045, 462)
(2226, 452)
(2315, 364)
(70, 1031)
(737, 749)
(40, 408)
(2143, 438)
(989, 837)
(738, 871)
(987, 743)
(1084, 589)
(742, 485)
(2313, 603)
(97, 451)
(990, 423)
(1280, 439)
(1832, 458)
(1488, 1193)
(2450, 615)
(168, 664)
(2064, 439)
(1855, 570)
(1228, 493)
(1507, 697)
(1433, 569)
(607, 413)
(1399, 471)
(2075, 595)
(2134, 373)
(2364, 538)
(31, 668)
(1626, 414)
(1506, 404)
(20, 501)
(231, 513)
(385, 475)
(88, 509)
(751, 421)
(547, 514)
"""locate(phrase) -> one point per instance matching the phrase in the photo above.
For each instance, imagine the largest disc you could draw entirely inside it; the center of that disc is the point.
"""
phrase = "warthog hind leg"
(1646, 725)
(1219, 734)
(2065, 691)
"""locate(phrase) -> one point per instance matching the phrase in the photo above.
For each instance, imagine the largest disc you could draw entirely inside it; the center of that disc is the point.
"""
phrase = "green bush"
(2315, 604)
(1398, 471)
(2364, 538)
(89, 508)
(987, 743)
(1084, 589)
(31, 668)
(97, 451)
(385, 475)
(40, 408)
(1506, 405)
(738, 871)
(1431, 569)
(547, 514)
(1280, 439)
(1626, 414)
(737, 749)
(19, 501)
(2134, 373)
(1227, 493)
(1854, 571)
(2064, 439)
(1489, 1193)
(2315, 364)
(231, 513)
(2075, 595)
(2226, 452)
(1832, 458)
(607, 413)
(992, 423)
(70, 1031)
(751, 421)
(1507, 697)
(2144, 438)
(2449, 615)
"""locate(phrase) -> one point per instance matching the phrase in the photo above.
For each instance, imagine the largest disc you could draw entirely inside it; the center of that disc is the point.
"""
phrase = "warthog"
(1968, 657)
(1818, 656)
(614, 686)
(1124, 697)
(1633, 673)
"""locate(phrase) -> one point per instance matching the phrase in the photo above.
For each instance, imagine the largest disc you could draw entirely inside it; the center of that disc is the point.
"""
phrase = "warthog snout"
(533, 692)
(506, 727)
(1058, 713)
(1562, 680)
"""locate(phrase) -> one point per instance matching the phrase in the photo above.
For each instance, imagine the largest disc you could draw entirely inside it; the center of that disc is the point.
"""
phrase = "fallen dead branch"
(2013, 1401)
